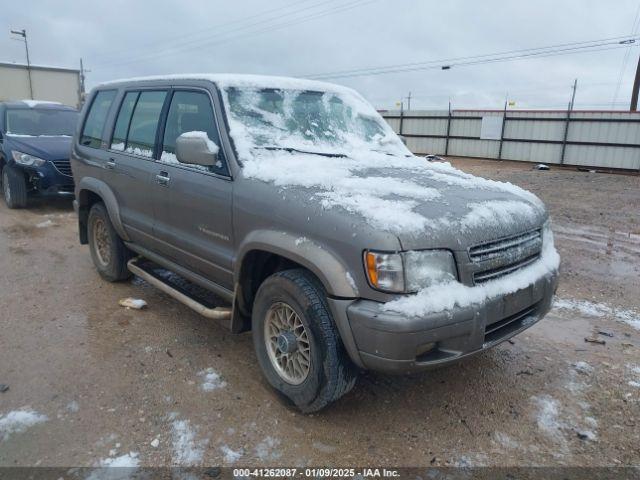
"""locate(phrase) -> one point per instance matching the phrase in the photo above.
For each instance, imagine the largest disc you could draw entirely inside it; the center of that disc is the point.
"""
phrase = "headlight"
(429, 267)
(409, 272)
(27, 160)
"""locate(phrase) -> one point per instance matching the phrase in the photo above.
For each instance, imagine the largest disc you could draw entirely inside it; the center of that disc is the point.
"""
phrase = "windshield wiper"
(291, 149)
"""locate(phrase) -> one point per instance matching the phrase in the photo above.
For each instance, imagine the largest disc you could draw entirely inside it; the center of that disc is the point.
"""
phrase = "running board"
(217, 313)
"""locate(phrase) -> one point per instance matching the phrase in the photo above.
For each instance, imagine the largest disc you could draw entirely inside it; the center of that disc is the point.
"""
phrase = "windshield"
(41, 122)
(307, 121)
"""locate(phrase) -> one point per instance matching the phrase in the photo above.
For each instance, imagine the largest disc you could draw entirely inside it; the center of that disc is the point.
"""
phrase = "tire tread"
(339, 372)
(18, 186)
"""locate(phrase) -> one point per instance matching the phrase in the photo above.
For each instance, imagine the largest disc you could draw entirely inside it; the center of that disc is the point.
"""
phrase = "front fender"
(101, 189)
(329, 269)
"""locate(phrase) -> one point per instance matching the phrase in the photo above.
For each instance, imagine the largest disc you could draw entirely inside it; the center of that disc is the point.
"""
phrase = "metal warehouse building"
(49, 83)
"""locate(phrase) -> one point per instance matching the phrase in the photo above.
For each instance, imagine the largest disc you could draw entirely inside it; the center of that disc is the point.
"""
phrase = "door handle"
(163, 178)
(111, 164)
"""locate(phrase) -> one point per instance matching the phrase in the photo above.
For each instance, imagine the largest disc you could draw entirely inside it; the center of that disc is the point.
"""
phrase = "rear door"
(193, 202)
(131, 153)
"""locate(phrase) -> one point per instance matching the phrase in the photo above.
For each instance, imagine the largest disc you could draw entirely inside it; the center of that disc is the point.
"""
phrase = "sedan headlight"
(408, 272)
(27, 160)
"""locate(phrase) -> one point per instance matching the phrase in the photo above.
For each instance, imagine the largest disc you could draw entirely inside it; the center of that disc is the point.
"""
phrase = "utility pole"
(409, 102)
(573, 95)
(636, 89)
(568, 122)
(23, 34)
(81, 81)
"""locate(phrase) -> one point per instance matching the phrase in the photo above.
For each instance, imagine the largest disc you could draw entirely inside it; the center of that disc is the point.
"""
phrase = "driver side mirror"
(196, 148)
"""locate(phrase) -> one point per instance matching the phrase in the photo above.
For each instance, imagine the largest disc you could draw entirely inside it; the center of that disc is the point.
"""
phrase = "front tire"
(14, 187)
(296, 341)
(108, 252)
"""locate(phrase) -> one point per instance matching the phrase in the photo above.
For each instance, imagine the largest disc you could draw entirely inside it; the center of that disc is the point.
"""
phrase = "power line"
(561, 49)
(208, 30)
(634, 30)
(465, 58)
(269, 28)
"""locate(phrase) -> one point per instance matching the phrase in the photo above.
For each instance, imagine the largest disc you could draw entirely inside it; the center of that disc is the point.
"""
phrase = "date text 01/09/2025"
(315, 472)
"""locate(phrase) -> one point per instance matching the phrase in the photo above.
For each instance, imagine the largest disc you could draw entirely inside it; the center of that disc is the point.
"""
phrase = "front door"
(193, 202)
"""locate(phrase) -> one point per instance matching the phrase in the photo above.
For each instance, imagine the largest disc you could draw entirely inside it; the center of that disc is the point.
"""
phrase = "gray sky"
(126, 38)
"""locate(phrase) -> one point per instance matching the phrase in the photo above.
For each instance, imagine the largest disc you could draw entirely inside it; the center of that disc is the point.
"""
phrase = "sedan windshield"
(307, 121)
(40, 122)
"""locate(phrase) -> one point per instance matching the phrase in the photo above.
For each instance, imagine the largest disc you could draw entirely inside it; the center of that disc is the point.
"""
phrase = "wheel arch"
(264, 253)
(90, 191)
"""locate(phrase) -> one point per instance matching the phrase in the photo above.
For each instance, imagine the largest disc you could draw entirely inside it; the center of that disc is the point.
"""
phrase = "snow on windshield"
(309, 121)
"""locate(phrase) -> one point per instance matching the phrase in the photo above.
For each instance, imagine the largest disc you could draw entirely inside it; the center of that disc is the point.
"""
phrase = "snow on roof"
(224, 80)
(37, 103)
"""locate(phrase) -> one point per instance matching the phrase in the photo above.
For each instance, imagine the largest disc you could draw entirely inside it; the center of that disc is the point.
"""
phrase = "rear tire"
(108, 252)
(300, 299)
(14, 187)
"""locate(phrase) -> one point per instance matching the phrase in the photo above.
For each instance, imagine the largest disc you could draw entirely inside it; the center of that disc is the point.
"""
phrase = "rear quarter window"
(96, 118)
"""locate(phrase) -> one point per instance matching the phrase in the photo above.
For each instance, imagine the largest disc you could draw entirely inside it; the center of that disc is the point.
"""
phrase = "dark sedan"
(35, 142)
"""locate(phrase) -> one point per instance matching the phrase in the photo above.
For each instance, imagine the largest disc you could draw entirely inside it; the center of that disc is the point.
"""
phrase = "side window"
(119, 139)
(96, 118)
(144, 123)
(190, 112)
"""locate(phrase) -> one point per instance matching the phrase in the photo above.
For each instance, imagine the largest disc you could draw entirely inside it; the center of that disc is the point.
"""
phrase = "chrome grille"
(500, 257)
(63, 166)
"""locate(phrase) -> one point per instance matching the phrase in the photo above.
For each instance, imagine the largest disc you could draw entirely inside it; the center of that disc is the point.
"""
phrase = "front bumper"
(392, 343)
(48, 181)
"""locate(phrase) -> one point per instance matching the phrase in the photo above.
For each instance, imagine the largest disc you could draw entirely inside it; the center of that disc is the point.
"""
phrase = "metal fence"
(599, 139)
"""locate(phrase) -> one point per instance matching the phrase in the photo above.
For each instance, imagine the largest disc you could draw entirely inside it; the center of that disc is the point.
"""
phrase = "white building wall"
(56, 85)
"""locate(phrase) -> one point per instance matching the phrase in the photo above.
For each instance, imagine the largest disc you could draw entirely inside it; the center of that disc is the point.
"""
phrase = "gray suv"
(290, 208)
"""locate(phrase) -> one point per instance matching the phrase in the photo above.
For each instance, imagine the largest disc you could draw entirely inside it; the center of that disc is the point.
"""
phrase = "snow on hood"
(401, 195)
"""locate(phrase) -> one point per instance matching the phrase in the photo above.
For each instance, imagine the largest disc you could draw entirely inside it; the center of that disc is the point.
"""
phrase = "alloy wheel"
(287, 343)
(102, 241)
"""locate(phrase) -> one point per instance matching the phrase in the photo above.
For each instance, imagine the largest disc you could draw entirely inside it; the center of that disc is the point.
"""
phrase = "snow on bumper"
(395, 342)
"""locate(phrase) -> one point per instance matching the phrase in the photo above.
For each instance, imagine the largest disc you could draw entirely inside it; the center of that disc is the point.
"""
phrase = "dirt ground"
(101, 385)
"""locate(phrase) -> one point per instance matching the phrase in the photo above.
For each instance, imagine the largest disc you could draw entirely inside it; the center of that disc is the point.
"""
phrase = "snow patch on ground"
(187, 451)
(211, 380)
(117, 468)
(598, 310)
(547, 417)
(73, 407)
(583, 367)
(448, 295)
(635, 372)
(466, 461)
(267, 449)
(45, 224)
(18, 421)
(231, 456)
(506, 441)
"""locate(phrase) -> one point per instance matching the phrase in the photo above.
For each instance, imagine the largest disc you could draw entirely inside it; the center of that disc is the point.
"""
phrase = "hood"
(47, 148)
(425, 204)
